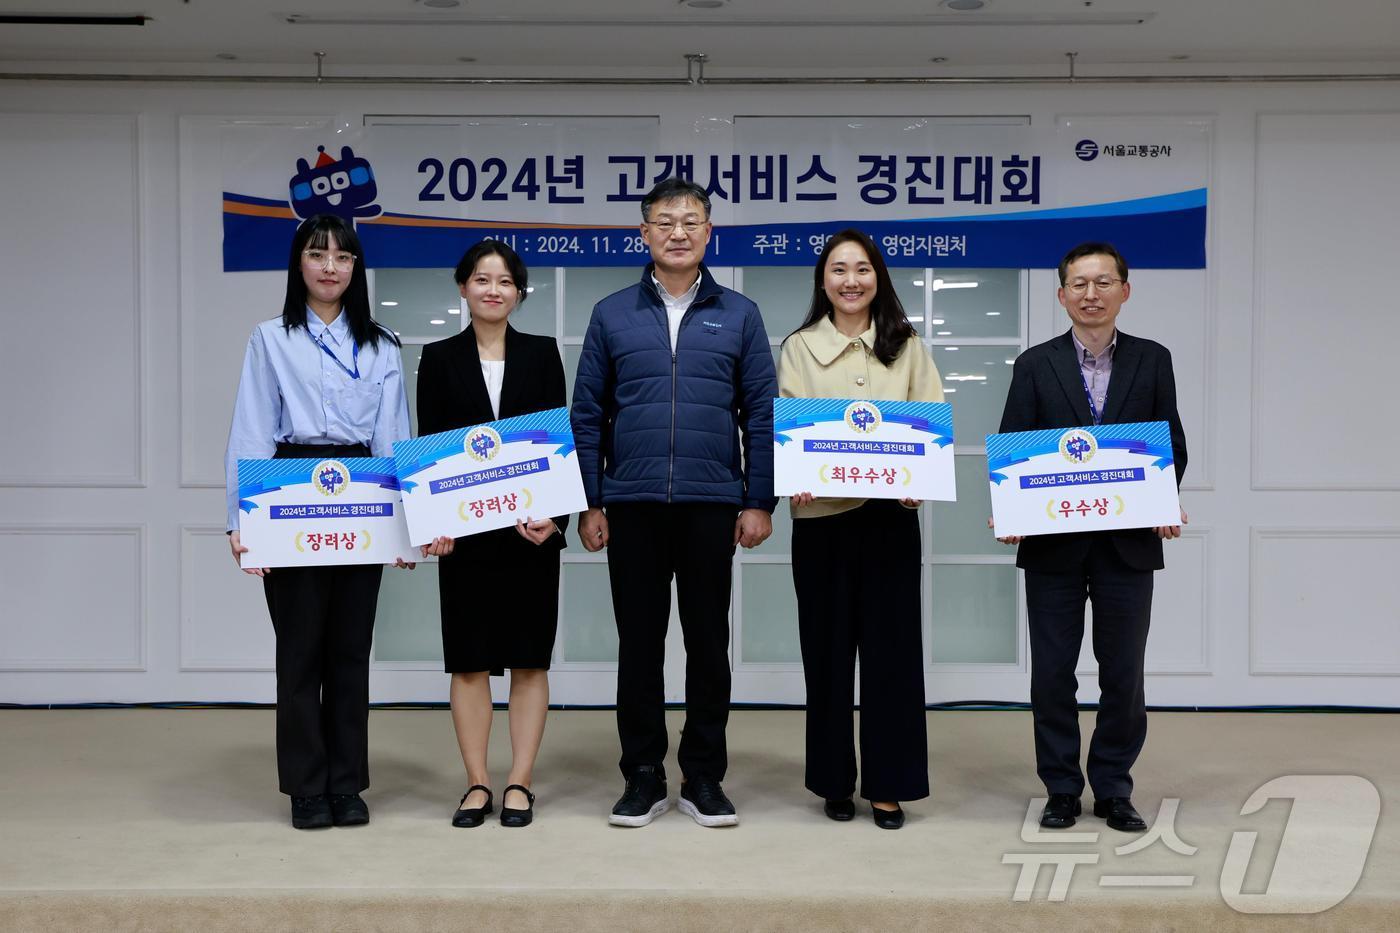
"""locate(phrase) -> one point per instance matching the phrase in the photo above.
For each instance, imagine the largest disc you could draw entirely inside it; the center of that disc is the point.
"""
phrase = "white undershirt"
(494, 372)
(676, 307)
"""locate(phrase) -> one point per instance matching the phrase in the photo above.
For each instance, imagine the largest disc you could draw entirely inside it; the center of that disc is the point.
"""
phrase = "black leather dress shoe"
(840, 810)
(349, 810)
(513, 817)
(888, 819)
(311, 812)
(1060, 811)
(475, 816)
(1120, 814)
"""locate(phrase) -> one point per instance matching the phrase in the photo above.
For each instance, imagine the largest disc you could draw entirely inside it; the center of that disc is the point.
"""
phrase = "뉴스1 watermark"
(1321, 854)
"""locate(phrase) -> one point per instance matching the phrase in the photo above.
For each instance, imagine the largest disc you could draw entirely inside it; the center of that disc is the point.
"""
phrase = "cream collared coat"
(822, 362)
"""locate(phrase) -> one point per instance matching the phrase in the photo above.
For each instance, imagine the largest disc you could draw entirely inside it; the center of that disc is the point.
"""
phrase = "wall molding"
(136, 663)
(188, 662)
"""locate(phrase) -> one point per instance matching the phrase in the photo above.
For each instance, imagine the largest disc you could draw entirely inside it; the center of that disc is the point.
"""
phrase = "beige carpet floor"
(170, 820)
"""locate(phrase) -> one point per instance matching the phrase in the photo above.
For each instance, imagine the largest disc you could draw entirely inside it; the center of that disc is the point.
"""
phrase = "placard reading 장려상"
(308, 512)
(1091, 478)
(863, 448)
(489, 476)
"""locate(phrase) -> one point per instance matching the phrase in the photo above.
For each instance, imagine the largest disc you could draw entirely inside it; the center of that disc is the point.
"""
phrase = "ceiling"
(649, 37)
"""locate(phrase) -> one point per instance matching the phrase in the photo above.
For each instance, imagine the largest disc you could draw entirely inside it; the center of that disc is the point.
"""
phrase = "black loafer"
(513, 817)
(888, 819)
(1060, 811)
(840, 810)
(1120, 814)
(311, 812)
(467, 818)
(349, 810)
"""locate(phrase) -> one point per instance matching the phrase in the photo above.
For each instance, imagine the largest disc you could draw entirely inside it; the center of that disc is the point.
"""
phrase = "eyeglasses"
(668, 226)
(1104, 284)
(319, 257)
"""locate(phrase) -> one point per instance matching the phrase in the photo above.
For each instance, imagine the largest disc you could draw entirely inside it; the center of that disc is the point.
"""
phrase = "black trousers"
(324, 620)
(857, 576)
(649, 543)
(1122, 601)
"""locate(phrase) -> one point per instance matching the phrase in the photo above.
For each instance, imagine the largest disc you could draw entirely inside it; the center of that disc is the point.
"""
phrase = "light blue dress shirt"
(292, 391)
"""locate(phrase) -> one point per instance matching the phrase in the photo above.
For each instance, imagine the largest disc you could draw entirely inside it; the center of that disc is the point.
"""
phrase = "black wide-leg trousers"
(1122, 601)
(649, 543)
(857, 576)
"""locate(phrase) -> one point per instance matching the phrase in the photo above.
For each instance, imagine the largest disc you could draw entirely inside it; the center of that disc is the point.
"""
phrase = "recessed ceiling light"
(993, 314)
(918, 283)
(388, 304)
(437, 320)
(454, 310)
(226, 56)
(964, 6)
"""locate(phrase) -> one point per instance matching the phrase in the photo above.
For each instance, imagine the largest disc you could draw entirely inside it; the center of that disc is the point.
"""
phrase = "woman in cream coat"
(856, 562)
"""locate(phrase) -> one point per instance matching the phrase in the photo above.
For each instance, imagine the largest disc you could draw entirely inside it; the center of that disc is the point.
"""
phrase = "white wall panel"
(224, 624)
(69, 260)
(1324, 601)
(73, 597)
(1326, 314)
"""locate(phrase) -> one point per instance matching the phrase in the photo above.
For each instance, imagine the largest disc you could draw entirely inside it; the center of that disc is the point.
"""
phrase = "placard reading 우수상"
(489, 476)
(1090, 478)
(863, 448)
(308, 512)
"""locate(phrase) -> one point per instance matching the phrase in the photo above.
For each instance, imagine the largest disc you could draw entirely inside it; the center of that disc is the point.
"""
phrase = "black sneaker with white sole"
(643, 800)
(704, 802)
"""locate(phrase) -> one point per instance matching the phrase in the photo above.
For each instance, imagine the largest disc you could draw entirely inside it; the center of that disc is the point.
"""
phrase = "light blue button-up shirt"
(292, 391)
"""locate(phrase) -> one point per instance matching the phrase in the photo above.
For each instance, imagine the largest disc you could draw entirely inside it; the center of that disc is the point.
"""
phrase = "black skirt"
(500, 602)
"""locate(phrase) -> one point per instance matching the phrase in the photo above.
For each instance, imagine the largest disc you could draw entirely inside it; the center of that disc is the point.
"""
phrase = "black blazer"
(1047, 391)
(452, 394)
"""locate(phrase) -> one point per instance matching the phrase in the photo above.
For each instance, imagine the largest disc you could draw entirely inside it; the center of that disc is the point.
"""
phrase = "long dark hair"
(316, 233)
(892, 327)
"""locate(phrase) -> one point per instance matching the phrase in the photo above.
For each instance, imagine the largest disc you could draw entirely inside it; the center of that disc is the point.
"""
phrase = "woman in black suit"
(500, 589)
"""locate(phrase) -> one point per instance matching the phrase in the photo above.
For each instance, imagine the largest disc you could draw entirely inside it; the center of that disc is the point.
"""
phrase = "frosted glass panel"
(407, 301)
(961, 527)
(975, 382)
(411, 354)
(784, 294)
(407, 625)
(590, 632)
(974, 614)
(770, 615)
(571, 358)
(976, 303)
(583, 288)
(780, 542)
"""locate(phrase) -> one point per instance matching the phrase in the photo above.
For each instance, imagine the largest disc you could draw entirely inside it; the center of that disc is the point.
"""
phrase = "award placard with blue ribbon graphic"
(489, 476)
(863, 448)
(1091, 478)
(309, 512)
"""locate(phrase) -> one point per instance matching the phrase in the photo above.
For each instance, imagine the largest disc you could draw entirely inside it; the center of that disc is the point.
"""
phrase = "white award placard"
(863, 448)
(489, 476)
(307, 512)
(1091, 478)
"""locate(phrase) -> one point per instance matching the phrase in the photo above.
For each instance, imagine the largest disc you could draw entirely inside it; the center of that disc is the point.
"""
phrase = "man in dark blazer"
(1091, 374)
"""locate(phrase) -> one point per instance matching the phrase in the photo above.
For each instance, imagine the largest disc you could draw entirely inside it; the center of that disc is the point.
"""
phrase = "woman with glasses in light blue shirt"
(322, 380)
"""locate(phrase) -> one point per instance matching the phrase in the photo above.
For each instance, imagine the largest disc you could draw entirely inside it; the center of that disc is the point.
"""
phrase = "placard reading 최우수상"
(863, 448)
(308, 512)
(1090, 478)
(489, 476)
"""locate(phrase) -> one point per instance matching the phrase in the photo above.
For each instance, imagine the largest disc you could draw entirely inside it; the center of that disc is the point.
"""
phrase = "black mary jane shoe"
(512, 817)
(840, 810)
(467, 818)
(888, 819)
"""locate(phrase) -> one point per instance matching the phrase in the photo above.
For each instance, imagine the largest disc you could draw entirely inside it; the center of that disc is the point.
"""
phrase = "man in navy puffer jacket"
(673, 417)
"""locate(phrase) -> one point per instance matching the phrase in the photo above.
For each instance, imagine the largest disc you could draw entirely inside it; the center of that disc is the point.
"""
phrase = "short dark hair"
(674, 188)
(316, 233)
(488, 247)
(892, 327)
(1094, 249)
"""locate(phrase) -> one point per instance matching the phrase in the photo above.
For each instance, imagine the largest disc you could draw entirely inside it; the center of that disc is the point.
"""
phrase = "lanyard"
(1088, 396)
(354, 357)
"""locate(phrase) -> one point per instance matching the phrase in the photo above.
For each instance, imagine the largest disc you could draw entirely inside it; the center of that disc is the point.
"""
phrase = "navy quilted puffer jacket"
(652, 426)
